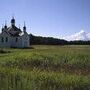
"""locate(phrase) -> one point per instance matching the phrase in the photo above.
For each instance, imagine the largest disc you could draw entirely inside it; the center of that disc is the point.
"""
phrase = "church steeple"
(13, 21)
(5, 27)
(19, 26)
(24, 28)
(2, 28)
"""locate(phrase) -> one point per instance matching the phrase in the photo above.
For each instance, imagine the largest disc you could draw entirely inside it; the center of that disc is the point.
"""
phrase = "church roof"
(13, 28)
(14, 31)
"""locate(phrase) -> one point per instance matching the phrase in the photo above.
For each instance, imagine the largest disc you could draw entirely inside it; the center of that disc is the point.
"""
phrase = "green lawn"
(45, 67)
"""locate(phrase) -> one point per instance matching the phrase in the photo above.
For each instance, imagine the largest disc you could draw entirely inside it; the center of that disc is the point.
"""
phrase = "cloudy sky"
(55, 18)
(82, 35)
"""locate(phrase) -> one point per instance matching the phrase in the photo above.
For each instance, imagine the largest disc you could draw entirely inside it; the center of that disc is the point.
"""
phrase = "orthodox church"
(13, 36)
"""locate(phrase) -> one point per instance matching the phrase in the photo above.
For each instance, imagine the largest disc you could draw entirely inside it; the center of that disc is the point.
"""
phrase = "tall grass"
(15, 79)
(46, 68)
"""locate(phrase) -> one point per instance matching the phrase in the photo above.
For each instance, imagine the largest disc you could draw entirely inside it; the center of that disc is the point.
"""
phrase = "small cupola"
(12, 21)
(24, 28)
(5, 27)
(2, 28)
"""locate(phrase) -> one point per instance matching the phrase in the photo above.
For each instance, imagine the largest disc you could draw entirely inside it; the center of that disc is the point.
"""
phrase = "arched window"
(16, 39)
(2, 39)
(6, 39)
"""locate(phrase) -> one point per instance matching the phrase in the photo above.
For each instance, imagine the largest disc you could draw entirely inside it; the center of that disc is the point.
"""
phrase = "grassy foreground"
(45, 68)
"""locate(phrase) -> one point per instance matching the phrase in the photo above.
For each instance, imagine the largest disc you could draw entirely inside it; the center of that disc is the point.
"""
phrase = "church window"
(2, 39)
(16, 39)
(6, 39)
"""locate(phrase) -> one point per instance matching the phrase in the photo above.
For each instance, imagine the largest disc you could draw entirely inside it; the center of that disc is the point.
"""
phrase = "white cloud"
(82, 35)
(88, 36)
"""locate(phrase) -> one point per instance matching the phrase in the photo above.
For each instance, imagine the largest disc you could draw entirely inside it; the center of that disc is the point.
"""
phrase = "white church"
(13, 36)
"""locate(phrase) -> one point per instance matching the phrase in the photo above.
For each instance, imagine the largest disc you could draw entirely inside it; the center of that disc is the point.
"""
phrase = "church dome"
(13, 21)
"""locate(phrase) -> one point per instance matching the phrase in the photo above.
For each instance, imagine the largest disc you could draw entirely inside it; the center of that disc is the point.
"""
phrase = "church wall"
(25, 40)
(21, 42)
(6, 40)
(16, 42)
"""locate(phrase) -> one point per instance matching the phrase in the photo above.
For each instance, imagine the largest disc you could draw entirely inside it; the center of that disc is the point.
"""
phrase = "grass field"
(45, 68)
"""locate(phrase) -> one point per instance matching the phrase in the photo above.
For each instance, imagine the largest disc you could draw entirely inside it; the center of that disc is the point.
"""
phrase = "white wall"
(23, 41)
(4, 43)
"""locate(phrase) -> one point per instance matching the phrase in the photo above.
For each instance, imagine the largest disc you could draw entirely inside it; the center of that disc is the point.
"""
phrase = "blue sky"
(48, 17)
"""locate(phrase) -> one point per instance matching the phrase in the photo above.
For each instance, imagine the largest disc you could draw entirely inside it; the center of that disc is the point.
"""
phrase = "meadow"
(45, 67)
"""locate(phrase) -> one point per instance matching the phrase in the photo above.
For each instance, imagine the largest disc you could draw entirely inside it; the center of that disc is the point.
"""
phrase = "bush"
(2, 51)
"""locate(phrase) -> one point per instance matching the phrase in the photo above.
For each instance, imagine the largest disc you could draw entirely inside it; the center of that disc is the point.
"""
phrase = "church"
(14, 37)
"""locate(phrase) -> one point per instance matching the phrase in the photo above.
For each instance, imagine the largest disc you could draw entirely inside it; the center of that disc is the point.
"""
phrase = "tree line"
(39, 40)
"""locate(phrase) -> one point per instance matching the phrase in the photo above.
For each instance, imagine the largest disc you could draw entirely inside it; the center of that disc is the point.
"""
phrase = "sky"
(54, 18)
